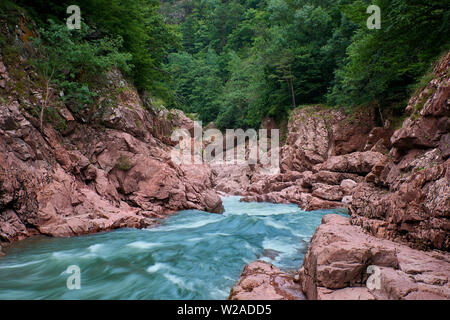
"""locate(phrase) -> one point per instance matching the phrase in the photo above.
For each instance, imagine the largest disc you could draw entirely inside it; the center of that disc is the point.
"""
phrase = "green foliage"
(256, 58)
(240, 61)
(382, 64)
(138, 23)
(77, 66)
(123, 163)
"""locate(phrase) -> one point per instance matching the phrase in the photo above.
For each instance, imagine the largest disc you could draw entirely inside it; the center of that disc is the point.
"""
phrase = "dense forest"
(236, 62)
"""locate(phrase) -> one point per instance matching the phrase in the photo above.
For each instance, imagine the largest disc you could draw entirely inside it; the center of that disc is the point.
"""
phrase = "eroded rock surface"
(262, 281)
(336, 266)
(406, 195)
(90, 176)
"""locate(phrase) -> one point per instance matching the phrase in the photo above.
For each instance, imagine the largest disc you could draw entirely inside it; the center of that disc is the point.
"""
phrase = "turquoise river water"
(191, 255)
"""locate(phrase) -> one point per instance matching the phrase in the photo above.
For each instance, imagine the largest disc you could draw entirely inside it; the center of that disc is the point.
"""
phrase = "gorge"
(97, 188)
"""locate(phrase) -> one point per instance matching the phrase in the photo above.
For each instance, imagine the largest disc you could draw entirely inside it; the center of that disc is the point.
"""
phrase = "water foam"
(143, 245)
(156, 267)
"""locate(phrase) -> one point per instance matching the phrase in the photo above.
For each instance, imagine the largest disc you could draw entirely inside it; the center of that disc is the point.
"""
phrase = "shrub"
(123, 163)
(75, 65)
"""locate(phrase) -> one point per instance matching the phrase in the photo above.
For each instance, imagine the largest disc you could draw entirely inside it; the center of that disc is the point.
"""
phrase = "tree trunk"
(291, 86)
(44, 106)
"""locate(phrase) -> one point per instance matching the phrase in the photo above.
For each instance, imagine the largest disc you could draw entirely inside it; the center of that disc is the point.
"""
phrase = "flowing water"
(191, 255)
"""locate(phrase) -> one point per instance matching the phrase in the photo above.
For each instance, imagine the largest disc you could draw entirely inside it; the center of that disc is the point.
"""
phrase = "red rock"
(326, 192)
(262, 281)
(310, 129)
(379, 139)
(335, 266)
(356, 162)
(94, 179)
(348, 184)
(315, 203)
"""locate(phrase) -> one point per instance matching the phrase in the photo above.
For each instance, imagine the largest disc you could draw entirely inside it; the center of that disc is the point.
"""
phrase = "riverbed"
(191, 255)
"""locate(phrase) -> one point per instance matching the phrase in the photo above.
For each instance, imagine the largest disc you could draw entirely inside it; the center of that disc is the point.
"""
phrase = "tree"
(75, 65)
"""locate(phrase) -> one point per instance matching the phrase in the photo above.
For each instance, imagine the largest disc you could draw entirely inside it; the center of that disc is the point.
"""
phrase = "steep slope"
(406, 196)
(398, 200)
(80, 176)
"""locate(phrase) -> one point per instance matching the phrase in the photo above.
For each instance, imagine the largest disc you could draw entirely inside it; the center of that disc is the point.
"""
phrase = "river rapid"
(191, 255)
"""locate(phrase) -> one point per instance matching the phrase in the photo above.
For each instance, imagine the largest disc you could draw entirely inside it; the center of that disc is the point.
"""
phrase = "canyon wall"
(103, 168)
(395, 185)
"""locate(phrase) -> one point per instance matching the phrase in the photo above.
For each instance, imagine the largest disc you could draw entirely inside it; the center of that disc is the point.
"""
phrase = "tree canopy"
(263, 58)
(236, 62)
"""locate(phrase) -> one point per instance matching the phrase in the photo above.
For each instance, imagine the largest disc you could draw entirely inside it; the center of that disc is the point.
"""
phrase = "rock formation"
(337, 263)
(406, 196)
(89, 176)
(262, 281)
(323, 149)
(396, 186)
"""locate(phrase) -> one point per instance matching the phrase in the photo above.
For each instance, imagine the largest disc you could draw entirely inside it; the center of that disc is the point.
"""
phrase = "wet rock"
(262, 281)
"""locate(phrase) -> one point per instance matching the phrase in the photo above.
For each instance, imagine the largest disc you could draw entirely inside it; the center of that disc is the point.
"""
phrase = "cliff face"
(87, 176)
(406, 196)
(396, 186)
(326, 154)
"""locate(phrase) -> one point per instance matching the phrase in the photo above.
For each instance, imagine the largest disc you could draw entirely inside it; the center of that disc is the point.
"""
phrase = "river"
(191, 255)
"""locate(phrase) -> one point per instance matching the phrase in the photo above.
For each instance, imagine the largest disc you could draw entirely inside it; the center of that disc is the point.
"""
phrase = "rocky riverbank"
(77, 176)
(109, 167)
(395, 184)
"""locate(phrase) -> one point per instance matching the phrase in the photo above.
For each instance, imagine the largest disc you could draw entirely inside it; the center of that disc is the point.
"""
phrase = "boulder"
(356, 162)
(336, 266)
(262, 281)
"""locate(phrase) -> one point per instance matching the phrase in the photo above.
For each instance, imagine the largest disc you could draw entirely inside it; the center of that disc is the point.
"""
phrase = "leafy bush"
(123, 163)
(74, 65)
(146, 36)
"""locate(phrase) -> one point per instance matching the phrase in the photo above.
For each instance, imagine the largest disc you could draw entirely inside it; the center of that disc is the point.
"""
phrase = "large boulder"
(341, 258)
(262, 281)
